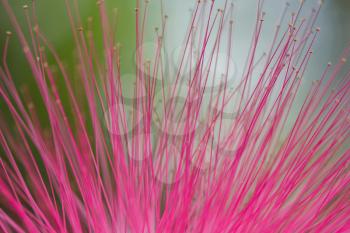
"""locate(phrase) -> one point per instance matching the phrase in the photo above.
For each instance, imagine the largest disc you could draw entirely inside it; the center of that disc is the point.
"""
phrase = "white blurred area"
(333, 38)
(334, 21)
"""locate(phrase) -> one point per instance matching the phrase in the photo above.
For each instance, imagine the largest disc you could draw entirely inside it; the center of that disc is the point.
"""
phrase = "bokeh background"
(334, 21)
(54, 23)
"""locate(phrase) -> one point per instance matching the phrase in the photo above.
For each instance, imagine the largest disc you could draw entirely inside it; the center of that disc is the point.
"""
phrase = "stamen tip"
(36, 28)
(26, 49)
(30, 105)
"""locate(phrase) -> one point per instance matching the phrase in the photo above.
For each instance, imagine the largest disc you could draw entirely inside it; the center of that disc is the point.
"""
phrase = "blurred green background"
(54, 23)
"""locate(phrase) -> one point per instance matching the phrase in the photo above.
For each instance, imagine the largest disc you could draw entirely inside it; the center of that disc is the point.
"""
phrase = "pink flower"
(188, 149)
